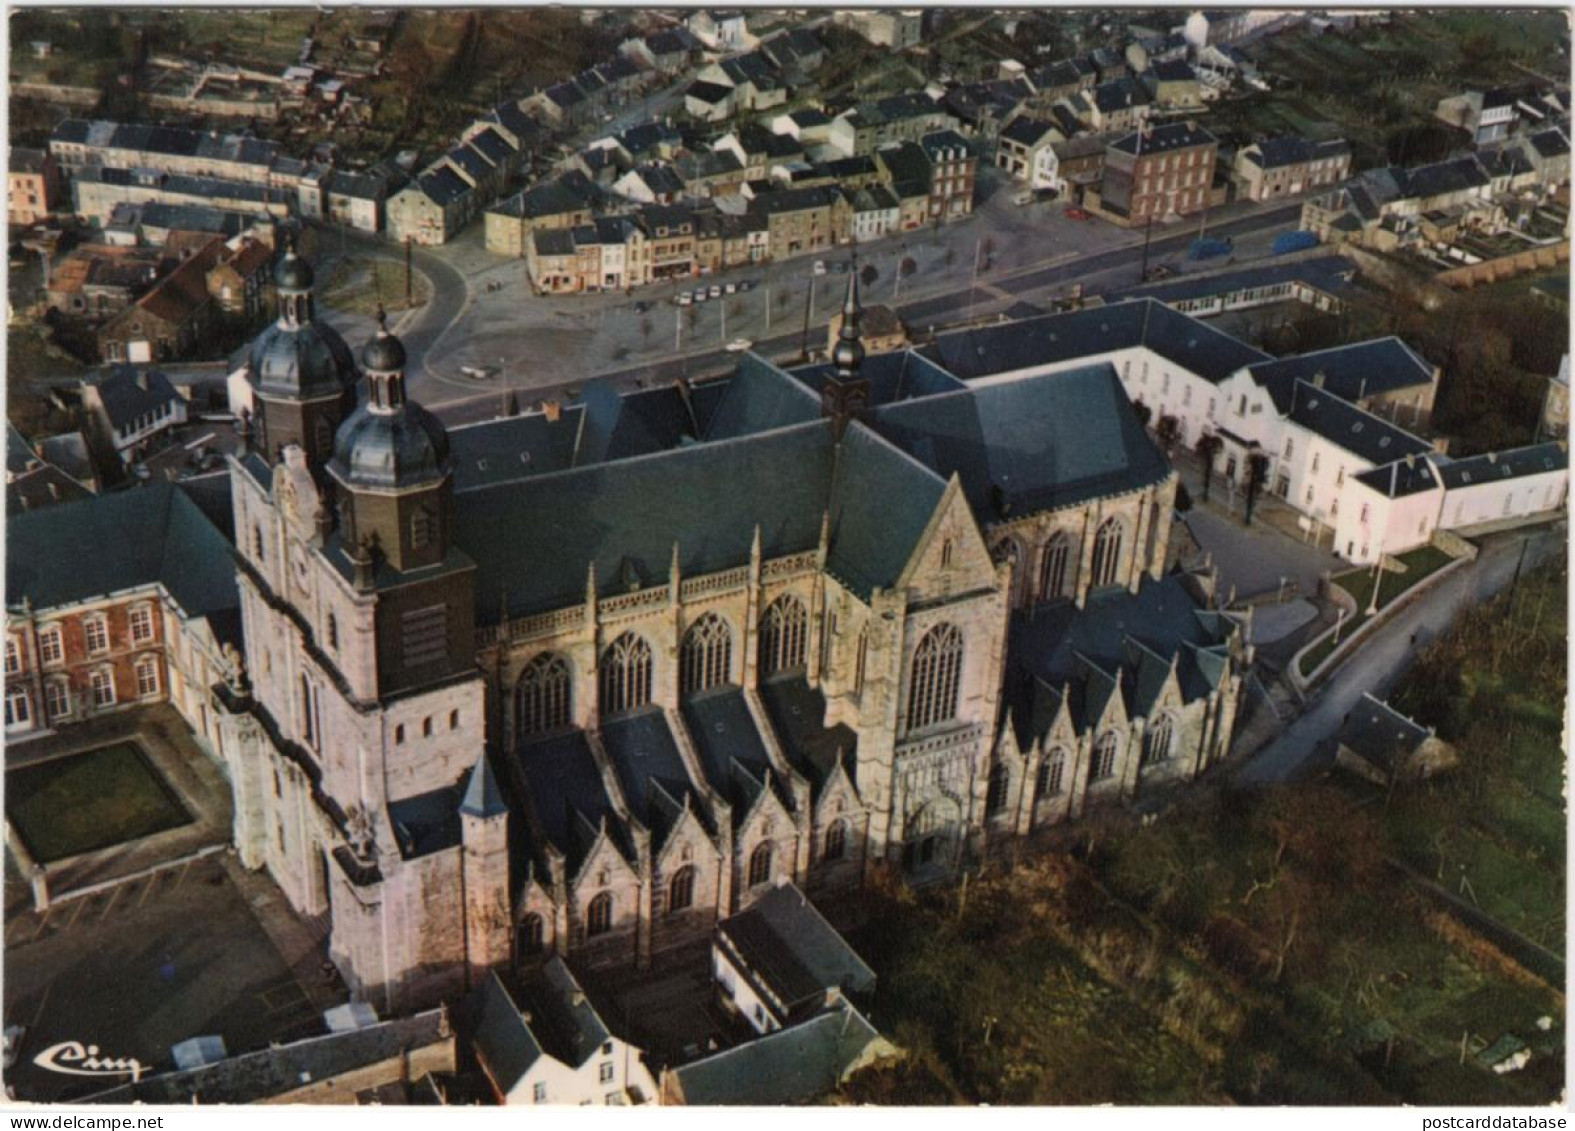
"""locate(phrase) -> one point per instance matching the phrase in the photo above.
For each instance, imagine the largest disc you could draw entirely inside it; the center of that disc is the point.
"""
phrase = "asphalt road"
(1379, 663)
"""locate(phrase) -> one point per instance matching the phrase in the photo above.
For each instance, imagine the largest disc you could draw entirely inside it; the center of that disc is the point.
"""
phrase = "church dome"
(301, 361)
(293, 273)
(383, 354)
(390, 450)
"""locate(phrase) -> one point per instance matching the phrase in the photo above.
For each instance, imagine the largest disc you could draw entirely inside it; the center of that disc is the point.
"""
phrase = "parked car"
(746, 285)
(685, 299)
(739, 345)
(701, 294)
(1023, 198)
(716, 290)
(474, 372)
(1074, 213)
(731, 288)
(820, 266)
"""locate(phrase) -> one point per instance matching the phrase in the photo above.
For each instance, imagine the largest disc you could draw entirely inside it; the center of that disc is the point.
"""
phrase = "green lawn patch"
(89, 801)
(1420, 564)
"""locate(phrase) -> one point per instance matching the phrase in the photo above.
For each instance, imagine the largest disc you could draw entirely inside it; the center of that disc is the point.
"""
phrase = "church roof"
(1361, 369)
(797, 712)
(569, 799)
(730, 748)
(788, 945)
(649, 768)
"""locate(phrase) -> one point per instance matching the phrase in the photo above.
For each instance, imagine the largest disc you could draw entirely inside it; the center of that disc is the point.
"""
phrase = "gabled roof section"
(1354, 429)
(794, 1065)
(731, 751)
(568, 797)
(649, 767)
(761, 396)
(882, 500)
(1539, 459)
(797, 713)
(503, 1040)
(1354, 371)
(788, 945)
(1032, 444)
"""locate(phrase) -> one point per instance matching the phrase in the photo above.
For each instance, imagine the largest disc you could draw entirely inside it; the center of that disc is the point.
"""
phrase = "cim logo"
(71, 1058)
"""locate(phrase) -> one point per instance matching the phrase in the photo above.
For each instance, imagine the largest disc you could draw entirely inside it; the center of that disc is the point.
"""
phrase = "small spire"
(849, 351)
(482, 797)
(382, 321)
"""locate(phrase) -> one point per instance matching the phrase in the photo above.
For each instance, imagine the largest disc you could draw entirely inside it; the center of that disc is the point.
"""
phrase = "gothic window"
(1107, 552)
(681, 892)
(760, 864)
(598, 917)
(1052, 570)
(51, 649)
(937, 677)
(946, 554)
(861, 648)
(707, 656)
(57, 699)
(626, 674)
(258, 550)
(147, 675)
(333, 631)
(782, 630)
(1105, 751)
(836, 841)
(542, 696)
(141, 624)
(1052, 771)
(531, 934)
(1157, 742)
(1000, 786)
(308, 716)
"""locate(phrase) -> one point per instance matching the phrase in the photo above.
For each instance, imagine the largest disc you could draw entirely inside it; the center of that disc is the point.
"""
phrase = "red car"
(1075, 214)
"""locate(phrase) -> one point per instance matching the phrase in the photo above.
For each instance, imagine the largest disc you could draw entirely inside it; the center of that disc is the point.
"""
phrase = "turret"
(484, 832)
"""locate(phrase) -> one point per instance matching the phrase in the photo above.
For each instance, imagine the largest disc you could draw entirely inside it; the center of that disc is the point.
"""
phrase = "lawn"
(358, 286)
(89, 801)
(1420, 564)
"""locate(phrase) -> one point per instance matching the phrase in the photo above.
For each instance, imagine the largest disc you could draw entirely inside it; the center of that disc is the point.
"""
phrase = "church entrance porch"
(933, 838)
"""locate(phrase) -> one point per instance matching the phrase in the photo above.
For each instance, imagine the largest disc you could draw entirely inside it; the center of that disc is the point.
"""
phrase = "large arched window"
(1105, 751)
(782, 630)
(707, 657)
(937, 677)
(532, 934)
(1107, 552)
(626, 674)
(1052, 568)
(1052, 775)
(1159, 739)
(760, 863)
(1000, 787)
(681, 892)
(543, 696)
(599, 915)
(836, 841)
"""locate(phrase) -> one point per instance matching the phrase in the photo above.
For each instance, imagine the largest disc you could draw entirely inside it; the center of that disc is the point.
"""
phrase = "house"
(563, 202)
(239, 280)
(807, 126)
(797, 53)
(1121, 104)
(1062, 79)
(724, 29)
(708, 101)
(1026, 150)
(712, 173)
(650, 184)
(758, 149)
(1285, 166)
(953, 167)
(898, 29)
(1173, 85)
(57, 470)
(880, 329)
(779, 962)
(1158, 171)
(171, 318)
(551, 1045)
(1080, 161)
(1378, 743)
(1487, 115)
(670, 230)
(1556, 403)
(33, 187)
(355, 198)
(432, 208)
(133, 406)
(95, 280)
(668, 51)
(800, 220)
(898, 117)
(876, 212)
(552, 262)
(1548, 152)
(980, 108)
(799, 1064)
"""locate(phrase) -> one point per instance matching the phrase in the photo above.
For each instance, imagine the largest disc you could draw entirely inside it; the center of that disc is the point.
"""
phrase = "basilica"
(583, 680)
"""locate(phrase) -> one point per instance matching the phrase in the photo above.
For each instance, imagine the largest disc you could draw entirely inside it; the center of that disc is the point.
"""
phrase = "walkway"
(1383, 658)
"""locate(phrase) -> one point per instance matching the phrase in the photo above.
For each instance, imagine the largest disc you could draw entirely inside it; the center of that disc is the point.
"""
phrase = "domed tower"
(302, 374)
(391, 462)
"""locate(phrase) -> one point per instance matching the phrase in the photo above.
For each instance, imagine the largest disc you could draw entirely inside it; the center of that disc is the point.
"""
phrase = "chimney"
(552, 410)
(1318, 379)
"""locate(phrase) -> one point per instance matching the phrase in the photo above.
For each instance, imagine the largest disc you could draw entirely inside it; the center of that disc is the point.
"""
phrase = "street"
(1379, 662)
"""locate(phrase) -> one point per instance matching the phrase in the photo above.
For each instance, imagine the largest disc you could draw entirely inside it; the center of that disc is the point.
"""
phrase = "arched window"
(681, 892)
(599, 915)
(626, 674)
(1052, 569)
(258, 550)
(782, 630)
(862, 648)
(532, 934)
(836, 841)
(1052, 773)
(333, 632)
(325, 435)
(1157, 742)
(937, 677)
(1000, 787)
(1105, 751)
(707, 654)
(760, 863)
(542, 697)
(1107, 552)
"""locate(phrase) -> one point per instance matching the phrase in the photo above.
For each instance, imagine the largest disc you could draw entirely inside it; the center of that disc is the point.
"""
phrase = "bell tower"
(845, 395)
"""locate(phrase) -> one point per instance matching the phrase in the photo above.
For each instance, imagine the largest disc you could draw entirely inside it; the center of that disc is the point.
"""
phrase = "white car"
(474, 372)
(739, 345)
(731, 288)
(684, 299)
(716, 291)
(820, 266)
(700, 295)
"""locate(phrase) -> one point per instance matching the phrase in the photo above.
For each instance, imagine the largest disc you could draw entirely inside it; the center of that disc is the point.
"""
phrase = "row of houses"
(781, 66)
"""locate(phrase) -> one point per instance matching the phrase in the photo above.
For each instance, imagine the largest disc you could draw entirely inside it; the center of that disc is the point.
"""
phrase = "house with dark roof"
(1158, 171)
(133, 405)
(1287, 165)
(1378, 743)
(173, 316)
(548, 1044)
(780, 962)
(1026, 150)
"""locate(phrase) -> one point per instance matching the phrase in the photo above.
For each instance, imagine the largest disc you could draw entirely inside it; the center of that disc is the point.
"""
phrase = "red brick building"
(953, 167)
(1159, 171)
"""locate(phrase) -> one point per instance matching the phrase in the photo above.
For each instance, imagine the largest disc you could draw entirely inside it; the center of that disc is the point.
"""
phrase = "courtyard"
(89, 801)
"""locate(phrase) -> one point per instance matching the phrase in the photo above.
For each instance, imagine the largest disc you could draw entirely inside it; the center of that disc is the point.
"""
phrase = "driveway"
(1379, 662)
(1254, 559)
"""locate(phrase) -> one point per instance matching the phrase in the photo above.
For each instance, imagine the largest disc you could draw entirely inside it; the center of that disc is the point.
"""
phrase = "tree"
(1144, 413)
(1208, 450)
(869, 274)
(907, 267)
(1167, 430)
(1257, 472)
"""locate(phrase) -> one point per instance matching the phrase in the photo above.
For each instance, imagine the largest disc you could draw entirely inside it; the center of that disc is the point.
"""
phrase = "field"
(89, 801)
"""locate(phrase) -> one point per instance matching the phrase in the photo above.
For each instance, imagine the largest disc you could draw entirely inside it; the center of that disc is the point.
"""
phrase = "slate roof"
(426, 823)
(793, 1065)
(1068, 336)
(1352, 372)
(567, 795)
(1173, 70)
(1025, 130)
(565, 1022)
(1164, 139)
(1538, 459)
(896, 376)
(1550, 143)
(1401, 478)
(128, 393)
(74, 552)
(649, 768)
(1458, 174)
(710, 93)
(1380, 734)
(881, 501)
(493, 146)
(1121, 94)
(443, 185)
(1327, 273)
(1355, 430)
(500, 450)
(1277, 152)
(730, 748)
(553, 241)
(786, 944)
(797, 713)
(502, 1037)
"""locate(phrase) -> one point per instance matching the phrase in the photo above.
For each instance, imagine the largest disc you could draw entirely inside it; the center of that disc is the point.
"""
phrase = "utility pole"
(408, 291)
(768, 307)
(1148, 233)
(973, 289)
(678, 329)
(809, 304)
